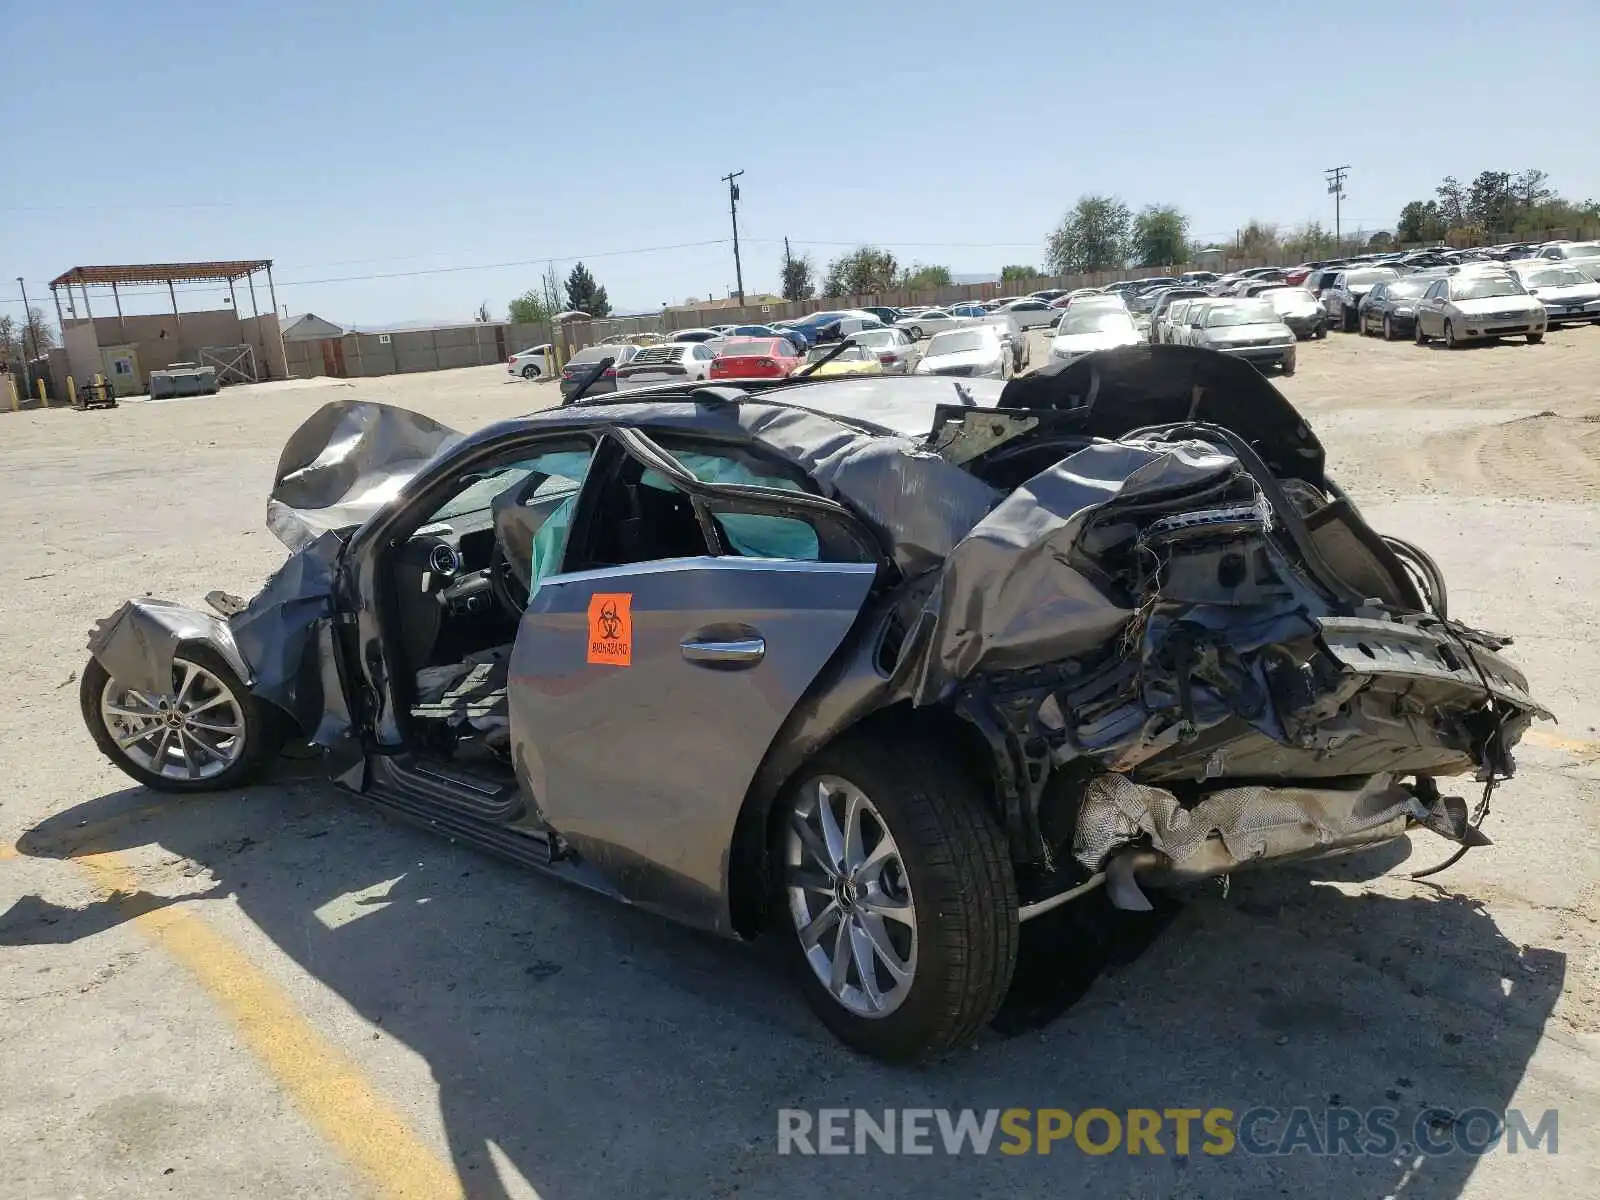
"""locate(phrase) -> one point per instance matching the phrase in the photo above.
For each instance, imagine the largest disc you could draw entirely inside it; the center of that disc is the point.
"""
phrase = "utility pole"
(733, 209)
(1335, 177)
(22, 341)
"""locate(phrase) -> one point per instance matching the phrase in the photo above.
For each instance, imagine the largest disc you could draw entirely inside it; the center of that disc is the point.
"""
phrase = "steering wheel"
(504, 584)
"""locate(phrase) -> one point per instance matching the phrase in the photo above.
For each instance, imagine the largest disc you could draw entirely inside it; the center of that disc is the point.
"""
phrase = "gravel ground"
(279, 993)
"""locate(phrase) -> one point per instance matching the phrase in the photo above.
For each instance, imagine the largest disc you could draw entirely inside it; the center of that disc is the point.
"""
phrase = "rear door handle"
(741, 652)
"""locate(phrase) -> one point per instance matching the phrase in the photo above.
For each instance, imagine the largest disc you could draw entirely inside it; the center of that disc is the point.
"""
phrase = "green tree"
(1092, 236)
(923, 277)
(1421, 221)
(21, 340)
(1160, 236)
(1258, 239)
(1309, 241)
(1381, 241)
(864, 271)
(528, 309)
(1452, 202)
(799, 276)
(584, 294)
(1018, 274)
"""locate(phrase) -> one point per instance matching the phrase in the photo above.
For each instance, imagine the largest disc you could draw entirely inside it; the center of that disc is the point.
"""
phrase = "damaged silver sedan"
(891, 665)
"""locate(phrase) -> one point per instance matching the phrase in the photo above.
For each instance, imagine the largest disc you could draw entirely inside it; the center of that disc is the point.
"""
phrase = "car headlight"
(1404, 310)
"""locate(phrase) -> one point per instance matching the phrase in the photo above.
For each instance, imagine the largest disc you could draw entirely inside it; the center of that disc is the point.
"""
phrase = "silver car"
(1471, 306)
(1249, 329)
(812, 660)
(979, 350)
(895, 351)
(929, 321)
(1568, 293)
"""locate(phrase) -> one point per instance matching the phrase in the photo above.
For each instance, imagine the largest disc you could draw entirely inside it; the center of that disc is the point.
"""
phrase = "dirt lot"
(280, 993)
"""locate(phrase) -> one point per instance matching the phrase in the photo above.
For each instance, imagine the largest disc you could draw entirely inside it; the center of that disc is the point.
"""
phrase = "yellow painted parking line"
(326, 1084)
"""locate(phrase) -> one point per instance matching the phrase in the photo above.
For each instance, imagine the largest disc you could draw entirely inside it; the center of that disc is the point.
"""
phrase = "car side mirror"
(1533, 291)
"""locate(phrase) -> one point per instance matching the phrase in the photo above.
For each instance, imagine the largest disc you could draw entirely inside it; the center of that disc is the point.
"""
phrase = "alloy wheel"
(1388, 329)
(196, 731)
(850, 898)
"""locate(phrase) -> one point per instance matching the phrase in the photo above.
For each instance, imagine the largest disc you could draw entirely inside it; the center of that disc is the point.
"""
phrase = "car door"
(645, 693)
(1430, 310)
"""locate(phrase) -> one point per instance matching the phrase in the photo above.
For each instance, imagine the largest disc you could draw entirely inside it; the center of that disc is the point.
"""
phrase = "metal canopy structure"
(227, 271)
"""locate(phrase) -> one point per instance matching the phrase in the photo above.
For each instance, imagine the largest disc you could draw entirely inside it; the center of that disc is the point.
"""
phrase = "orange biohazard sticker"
(611, 628)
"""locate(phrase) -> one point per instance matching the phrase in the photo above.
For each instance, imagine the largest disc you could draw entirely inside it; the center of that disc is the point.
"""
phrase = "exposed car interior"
(461, 582)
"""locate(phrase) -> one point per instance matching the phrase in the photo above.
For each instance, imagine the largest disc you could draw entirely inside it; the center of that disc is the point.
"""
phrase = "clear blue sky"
(351, 140)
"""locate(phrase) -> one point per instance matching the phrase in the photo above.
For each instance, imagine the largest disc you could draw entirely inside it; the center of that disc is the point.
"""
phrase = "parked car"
(893, 348)
(1567, 292)
(978, 350)
(884, 313)
(853, 359)
(1390, 307)
(1482, 304)
(671, 362)
(1198, 277)
(1049, 294)
(1160, 332)
(833, 323)
(1298, 309)
(531, 363)
(1251, 330)
(1031, 313)
(581, 365)
(692, 684)
(1084, 330)
(802, 337)
(1583, 255)
(694, 335)
(934, 320)
(1183, 333)
(959, 310)
(1164, 301)
(754, 358)
(1342, 299)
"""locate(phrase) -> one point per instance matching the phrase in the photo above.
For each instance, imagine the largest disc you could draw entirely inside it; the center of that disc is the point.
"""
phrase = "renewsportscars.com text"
(1336, 1131)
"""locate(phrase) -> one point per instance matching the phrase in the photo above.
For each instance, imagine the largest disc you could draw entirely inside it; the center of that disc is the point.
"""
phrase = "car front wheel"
(207, 733)
(1388, 328)
(1535, 338)
(1421, 338)
(899, 896)
(1450, 336)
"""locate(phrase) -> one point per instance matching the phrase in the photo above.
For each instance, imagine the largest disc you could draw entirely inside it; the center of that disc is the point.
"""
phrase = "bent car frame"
(887, 665)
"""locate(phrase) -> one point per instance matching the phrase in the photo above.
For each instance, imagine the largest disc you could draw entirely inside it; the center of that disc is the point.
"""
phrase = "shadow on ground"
(601, 1051)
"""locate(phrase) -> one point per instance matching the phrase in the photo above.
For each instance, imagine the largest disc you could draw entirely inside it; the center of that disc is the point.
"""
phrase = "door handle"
(740, 652)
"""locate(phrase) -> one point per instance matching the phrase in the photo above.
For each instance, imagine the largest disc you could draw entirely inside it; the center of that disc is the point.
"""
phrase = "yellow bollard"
(44, 399)
(11, 390)
(72, 392)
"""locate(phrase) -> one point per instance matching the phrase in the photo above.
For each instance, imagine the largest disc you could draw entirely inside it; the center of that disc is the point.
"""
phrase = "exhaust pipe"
(1122, 877)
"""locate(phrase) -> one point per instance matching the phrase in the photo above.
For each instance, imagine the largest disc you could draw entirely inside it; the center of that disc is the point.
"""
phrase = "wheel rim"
(850, 899)
(529, 372)
(196, 731)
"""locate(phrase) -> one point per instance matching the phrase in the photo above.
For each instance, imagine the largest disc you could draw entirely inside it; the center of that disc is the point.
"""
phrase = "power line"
(733, 210)
(1335, 177)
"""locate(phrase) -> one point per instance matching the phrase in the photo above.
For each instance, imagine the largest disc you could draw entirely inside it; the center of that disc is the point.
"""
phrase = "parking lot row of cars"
(1259, 314)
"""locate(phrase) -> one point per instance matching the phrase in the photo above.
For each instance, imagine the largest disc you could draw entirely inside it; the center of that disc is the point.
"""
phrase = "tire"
(1450, 336)
(950, 861)
(1420, 337)
(1322, 332)
(1288, 366)
(530, 372)
(1388, 328)
(260, 727)
(1346, 322)
(916, 333)
(1535, 338)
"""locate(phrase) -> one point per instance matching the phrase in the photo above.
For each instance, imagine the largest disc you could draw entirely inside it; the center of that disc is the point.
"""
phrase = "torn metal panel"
(1014, 592)
(136, 643)
(345, 462)
(278, 633)
(1233, 827)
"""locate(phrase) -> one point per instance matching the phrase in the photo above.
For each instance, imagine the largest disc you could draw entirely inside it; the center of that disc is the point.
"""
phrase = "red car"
(755, 358)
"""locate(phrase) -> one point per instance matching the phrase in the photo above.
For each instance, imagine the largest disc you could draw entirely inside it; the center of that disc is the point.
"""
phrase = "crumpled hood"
(346, 461)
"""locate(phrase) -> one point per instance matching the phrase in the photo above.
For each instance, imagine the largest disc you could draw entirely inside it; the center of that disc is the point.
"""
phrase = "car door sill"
(447, 787)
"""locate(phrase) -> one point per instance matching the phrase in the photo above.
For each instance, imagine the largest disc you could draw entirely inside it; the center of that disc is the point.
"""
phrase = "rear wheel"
(916, 333)
(207, 733)
(1535, 338)
(900, 896)
(530, 372)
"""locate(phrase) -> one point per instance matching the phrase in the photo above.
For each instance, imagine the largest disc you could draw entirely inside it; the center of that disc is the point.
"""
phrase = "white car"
(1085, 330)
(532, 363)
(1031, 313)
(1249, 329)
(696, 335)
(894, 349)
(978, 350)
(935, 320)
(1567, 292)
(674, 362)
(1583, 255)
(1466, 307)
